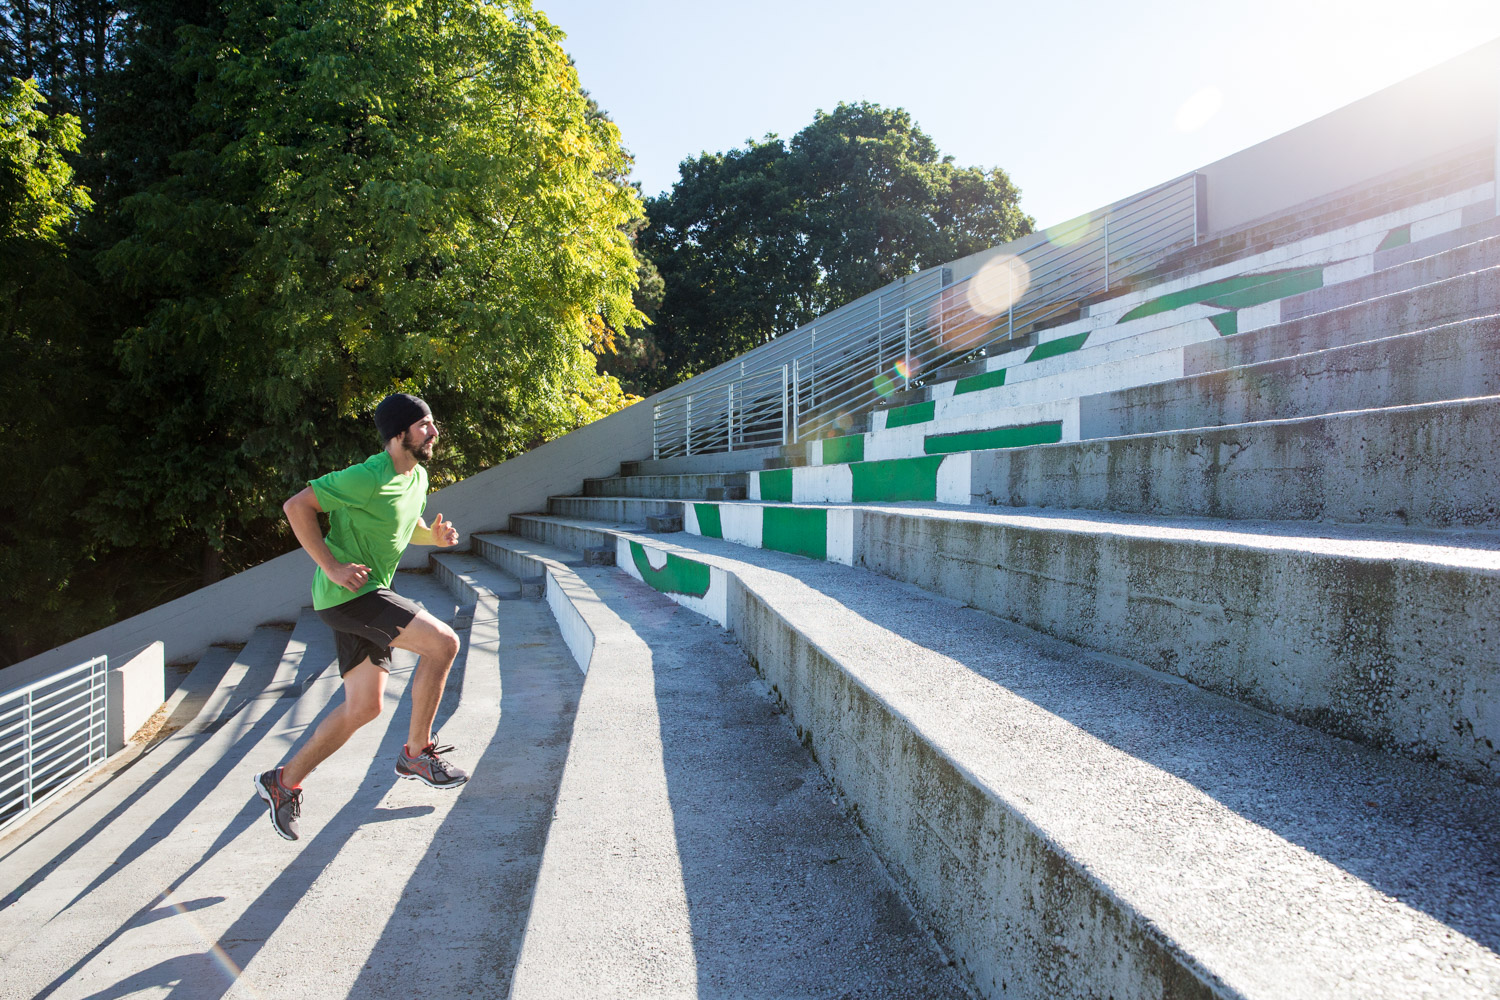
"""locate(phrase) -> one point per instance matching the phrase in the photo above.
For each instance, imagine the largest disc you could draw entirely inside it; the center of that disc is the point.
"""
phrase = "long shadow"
(477, 881)
(183, 748)
(784, 897)
(209, 974)
(1410, 830)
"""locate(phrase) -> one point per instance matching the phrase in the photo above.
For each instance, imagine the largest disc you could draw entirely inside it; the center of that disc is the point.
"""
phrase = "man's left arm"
(440, 533)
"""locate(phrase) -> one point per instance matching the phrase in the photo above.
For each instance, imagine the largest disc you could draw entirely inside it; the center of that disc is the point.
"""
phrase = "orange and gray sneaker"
(285, 803)
(427, 766)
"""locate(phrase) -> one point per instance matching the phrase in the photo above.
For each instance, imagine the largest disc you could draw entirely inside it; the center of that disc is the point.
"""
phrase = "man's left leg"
(436, 645)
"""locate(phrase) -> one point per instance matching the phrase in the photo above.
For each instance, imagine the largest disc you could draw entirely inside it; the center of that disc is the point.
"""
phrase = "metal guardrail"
(52, 732)
(814, 381)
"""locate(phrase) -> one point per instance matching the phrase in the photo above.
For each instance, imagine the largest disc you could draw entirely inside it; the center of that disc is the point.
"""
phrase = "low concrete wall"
(277, 590)
(137, 688)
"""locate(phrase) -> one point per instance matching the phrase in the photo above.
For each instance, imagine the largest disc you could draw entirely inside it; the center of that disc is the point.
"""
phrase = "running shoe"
(285, 803)
(427, 766)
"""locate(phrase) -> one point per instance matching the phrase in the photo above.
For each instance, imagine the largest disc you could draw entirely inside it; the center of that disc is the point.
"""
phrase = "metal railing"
(815, 380)
(52, 733)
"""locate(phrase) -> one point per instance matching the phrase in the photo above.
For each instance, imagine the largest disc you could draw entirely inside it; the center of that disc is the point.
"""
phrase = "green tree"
(755, 242)
(373, 197)
(45, 431)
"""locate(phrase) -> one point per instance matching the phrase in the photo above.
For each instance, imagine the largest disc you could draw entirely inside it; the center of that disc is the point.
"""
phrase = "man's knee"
(429, 637)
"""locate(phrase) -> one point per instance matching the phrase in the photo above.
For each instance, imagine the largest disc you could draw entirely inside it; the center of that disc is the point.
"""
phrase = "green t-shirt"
(372, 512)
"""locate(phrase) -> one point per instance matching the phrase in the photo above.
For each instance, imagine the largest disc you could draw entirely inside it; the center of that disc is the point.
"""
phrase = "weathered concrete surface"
(1075, 826)
(1440, 304)
(630, 510)
(1429, 465)
(695, 850)
(1457, 361)
(661, 487)
(1478, 259)
(161, 876)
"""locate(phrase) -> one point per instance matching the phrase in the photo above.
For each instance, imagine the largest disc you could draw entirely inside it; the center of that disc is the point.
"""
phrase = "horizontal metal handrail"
(57, 727)
(809, 380)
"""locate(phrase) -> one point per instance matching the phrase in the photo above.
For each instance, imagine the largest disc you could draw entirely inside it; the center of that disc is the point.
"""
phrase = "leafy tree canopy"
(375, 197)
(760, 240)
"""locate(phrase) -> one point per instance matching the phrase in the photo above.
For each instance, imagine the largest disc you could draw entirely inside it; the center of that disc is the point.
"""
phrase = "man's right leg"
(364, 694)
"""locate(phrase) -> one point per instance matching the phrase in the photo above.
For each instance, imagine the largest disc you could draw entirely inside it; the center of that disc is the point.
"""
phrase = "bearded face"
(419, 438)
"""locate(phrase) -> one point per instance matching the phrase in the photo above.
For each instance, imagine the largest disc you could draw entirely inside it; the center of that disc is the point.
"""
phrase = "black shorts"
(365, 627)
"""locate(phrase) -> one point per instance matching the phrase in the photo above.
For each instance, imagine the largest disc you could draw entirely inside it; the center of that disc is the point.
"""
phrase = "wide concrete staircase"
(1151, 655)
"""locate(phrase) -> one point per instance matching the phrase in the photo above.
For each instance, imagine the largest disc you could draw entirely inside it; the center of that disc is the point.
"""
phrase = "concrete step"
(714, 463)
(1478, 258)
(163, 872)
(666, 485)
(1472, 232)
(1456, 361)
(1044, 806)
(625, 510)
(1442, 303)
(695, 849)
(1364, 633)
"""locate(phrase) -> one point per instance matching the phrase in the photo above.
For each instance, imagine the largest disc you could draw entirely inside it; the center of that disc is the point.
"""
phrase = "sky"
(1081, 103)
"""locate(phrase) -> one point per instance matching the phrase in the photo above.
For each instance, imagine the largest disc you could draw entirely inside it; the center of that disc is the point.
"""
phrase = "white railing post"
(729, 418)
(26, 786)
(1106, 253)
(656, 431)
(812, 377)
(906, 359)
(687, 436)
(785, 386)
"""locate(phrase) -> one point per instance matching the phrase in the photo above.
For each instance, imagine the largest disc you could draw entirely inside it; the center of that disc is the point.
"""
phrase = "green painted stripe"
(1398, 237)
(709, 524)
(802, 531)
(678, 576)
(1062, 345)
(1210, 292)
(776, 485)
(1228, 324)
(896, 479)
(998, 437)
(1269, 291)
(917, 413)
(839, 450)
(977, 383)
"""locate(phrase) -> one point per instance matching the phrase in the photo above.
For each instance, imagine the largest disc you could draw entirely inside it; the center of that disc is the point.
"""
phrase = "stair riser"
(620, 511)
(1378, 650)
(659, 487)
(565, 536)
(1454, 301)
(1453, 362)
(1478, 257)
(1423, 466)
(1394, 654)
(1018, 915)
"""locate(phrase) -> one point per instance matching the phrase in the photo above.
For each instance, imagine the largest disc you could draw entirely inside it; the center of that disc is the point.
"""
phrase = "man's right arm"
(302, 513)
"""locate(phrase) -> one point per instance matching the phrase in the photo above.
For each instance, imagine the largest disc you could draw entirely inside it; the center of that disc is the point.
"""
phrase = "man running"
(374, 512)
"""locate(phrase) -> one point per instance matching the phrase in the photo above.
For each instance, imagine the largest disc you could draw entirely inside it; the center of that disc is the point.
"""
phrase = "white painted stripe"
(1259, 317)
(752, 488)
(742, 523)
(953, 478)
(842, 522)
(822, 484)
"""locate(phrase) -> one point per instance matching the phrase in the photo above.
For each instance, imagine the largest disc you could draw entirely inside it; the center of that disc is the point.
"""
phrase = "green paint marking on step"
(1062, 345)
(1288, 284)
(999, 437)
(802, 531)
(1214, 291)
(839, 450)
(678, 576)
(709, 525)
(896, 479)
(978, 383)
(902, 416)
(1228, 324)
(776, 485)
(1398, 237)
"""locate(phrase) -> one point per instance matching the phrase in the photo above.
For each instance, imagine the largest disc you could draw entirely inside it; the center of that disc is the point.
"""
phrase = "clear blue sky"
(1080, 102)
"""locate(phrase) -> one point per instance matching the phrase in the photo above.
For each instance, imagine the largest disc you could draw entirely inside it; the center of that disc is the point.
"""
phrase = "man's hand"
(350, 576)
(443, 533)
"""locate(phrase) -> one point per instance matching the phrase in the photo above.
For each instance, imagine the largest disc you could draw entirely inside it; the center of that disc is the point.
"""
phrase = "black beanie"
(397, 412)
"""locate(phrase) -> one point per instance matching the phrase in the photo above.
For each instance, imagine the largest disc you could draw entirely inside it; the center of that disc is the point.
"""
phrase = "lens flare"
(884, 384)
(1200, 109)
(999, 284)
(902, 368)
(1067, 233)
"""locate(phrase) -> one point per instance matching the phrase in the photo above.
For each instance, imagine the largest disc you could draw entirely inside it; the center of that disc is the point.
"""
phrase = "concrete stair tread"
(1294, 857)
(169, 862)
(1460, 548)
(695, 849)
